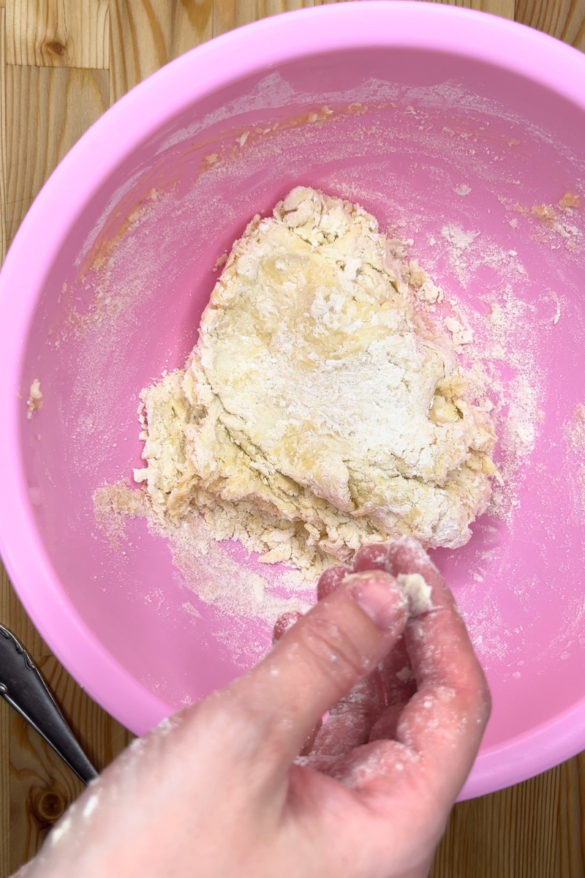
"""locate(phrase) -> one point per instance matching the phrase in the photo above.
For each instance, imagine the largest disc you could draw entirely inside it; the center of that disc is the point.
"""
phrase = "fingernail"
(330, 580)
(378, 596)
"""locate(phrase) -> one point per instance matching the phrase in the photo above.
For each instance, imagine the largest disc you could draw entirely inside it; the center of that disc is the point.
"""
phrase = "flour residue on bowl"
(207, 567)
(553, 225)
(510, 346)
(228, 584)
(574, 431)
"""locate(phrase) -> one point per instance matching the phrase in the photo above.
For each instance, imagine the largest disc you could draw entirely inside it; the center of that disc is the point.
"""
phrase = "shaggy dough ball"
(319, 410)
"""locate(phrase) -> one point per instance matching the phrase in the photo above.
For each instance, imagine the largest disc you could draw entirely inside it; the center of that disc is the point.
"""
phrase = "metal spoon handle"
(22, 686)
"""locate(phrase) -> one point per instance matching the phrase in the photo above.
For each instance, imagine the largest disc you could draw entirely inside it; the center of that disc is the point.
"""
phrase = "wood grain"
(64, 62)
(564, 19)
(516, 832)
(504, 8)
(13, 615)
(3, 238)
(35, 785)
(68, 33)
(572, 818)
(146, 34)
(36, 770)
(5, 802)
(47, 110)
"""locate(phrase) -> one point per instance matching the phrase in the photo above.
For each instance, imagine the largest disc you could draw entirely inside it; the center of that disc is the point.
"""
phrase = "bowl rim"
(128, 123)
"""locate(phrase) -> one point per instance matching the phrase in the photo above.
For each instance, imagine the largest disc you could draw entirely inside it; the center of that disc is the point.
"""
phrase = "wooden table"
(62, 64)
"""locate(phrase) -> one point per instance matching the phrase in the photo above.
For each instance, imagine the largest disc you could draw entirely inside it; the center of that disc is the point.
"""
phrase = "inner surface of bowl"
(468, 160)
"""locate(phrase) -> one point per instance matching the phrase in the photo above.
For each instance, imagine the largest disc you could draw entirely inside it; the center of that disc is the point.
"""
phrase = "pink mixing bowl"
(459, 129)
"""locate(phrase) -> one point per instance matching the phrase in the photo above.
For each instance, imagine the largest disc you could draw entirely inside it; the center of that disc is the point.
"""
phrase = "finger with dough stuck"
(444, 721)
(318, 661)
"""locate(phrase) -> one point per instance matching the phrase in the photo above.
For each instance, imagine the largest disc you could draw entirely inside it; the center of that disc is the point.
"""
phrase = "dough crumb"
(113, 506)
(424, 288)
(321, 409)
(405, 674)
(417, 591)
(35, 398)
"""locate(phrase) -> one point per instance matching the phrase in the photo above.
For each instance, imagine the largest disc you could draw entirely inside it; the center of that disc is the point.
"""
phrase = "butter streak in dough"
(318, 411)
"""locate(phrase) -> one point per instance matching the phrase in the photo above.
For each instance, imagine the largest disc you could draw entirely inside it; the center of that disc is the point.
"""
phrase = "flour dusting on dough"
(324, 407)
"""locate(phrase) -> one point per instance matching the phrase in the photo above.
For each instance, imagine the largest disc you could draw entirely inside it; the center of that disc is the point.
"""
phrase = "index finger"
(444, 721)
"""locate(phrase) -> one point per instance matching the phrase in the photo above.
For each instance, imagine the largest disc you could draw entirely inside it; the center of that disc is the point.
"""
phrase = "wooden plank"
(564, 19)
(149, 33)
(504, 8)
(47, 110)
(35, 769)
(146, 34)
(229, 14)
(13, 615)
(571, 818)
(70, 33)
(3, 239)
(41, 785)
(4, 789)
(35, 785)
(512, 833)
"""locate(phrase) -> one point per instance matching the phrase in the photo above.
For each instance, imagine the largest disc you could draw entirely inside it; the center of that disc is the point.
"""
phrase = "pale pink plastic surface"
(115, 616)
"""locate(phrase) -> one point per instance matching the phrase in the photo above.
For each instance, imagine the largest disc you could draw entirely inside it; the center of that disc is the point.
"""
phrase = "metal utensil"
(22, 686)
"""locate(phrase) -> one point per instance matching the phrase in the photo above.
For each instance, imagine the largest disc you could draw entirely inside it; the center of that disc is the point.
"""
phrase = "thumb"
(320, 659)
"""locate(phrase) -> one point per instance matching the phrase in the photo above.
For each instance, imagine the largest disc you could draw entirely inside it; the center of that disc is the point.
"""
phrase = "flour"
(468, 251)
(576, 429)
(113, 505)
(519, 398)
(206, 565)
(203, 559)
(495, 345)
(575, 437)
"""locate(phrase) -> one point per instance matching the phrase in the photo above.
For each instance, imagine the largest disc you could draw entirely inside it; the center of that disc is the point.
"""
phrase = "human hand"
(215, 791)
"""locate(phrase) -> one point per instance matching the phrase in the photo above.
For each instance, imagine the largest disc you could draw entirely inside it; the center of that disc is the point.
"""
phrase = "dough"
(35, 399)
(320, 410)
(418, 592)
